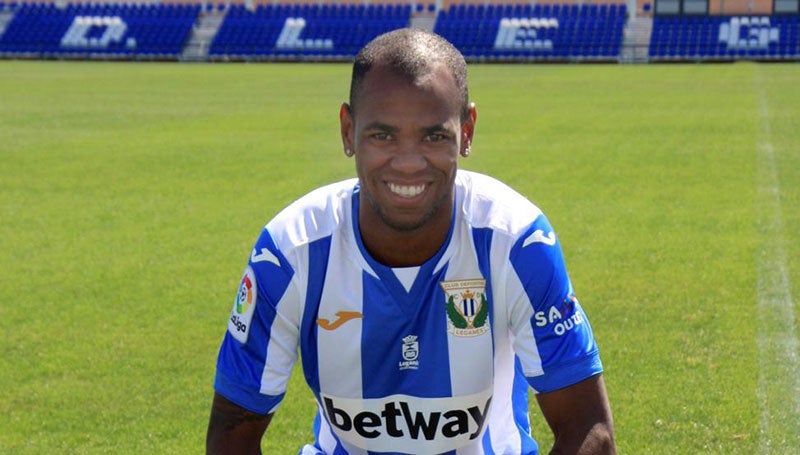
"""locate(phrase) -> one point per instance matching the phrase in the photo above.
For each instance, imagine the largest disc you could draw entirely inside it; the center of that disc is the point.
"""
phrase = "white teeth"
(406, 191)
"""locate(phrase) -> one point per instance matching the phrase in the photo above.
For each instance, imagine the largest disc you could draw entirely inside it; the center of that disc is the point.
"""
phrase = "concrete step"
(5, 19)
(636, 40)
(203, 32)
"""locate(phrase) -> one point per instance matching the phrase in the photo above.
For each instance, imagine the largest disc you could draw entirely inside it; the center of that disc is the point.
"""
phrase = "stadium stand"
(534, 32)
(725, 37)
(334, 30)
(328, 31)
(108, 30)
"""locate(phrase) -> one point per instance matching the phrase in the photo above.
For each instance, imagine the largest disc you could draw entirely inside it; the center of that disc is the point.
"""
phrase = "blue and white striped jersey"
(430, 359)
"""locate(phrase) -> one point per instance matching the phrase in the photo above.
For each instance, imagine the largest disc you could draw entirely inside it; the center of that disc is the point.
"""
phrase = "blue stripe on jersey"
(482, 240)
(487, 443)
(245, 362)
(338, 450)
(318, 253)
(394, 317)
(563, 336)
(519, 398)
(395, 314)
(245, 397)
(387, 275)
(519, 403)
(317, 426)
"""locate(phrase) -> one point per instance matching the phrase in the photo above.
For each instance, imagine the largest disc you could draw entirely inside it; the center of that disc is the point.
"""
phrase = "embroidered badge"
(466, 307)
(410, 351)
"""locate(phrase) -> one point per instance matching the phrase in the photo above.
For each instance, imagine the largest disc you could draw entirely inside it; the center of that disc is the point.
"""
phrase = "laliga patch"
(244, 305)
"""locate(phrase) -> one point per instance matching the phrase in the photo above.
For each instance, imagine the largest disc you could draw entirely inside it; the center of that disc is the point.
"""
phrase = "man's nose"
(408, 157)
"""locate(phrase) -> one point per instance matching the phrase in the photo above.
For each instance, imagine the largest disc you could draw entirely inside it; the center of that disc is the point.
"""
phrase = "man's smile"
(407, 191)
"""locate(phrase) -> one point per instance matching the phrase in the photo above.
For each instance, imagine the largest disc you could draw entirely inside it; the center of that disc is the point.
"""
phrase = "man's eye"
(435, 137)
(381, 136)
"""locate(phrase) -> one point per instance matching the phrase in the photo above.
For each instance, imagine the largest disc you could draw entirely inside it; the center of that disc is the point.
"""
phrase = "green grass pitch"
(131, 194)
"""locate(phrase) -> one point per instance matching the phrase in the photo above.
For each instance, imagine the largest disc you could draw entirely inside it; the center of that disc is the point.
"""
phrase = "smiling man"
(425, 300)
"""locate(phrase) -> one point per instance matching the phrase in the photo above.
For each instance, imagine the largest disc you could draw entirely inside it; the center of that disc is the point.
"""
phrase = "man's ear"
(347, 126)
(468, 127)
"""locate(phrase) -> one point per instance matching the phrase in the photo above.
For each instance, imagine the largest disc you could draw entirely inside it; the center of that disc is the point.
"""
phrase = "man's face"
(406, 138)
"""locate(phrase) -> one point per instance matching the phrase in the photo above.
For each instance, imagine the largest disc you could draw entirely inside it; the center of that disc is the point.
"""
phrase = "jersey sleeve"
(552, 336)
(260, 346)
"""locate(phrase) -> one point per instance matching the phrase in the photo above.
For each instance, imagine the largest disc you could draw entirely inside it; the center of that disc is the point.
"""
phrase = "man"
(424, 300)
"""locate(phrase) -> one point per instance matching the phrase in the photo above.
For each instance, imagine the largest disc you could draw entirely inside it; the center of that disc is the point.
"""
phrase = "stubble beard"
(407, 227)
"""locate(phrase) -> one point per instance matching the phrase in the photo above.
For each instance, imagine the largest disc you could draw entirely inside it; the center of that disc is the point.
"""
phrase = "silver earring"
(466, 152)
(348, 152)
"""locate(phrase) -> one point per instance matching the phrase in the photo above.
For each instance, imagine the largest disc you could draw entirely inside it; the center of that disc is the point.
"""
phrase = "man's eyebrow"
(425, 130)
(435, 129)
(381, 127)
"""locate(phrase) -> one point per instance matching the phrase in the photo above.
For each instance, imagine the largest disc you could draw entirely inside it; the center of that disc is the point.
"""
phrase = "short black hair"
(411, 53)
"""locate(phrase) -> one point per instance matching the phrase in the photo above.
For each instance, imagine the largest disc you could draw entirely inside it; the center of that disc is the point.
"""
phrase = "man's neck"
(396, 248)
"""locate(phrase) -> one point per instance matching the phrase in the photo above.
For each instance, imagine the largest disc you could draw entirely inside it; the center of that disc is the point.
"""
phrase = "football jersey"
(430, 359)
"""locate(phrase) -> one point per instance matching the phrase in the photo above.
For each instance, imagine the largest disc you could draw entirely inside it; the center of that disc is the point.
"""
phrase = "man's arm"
(233, 429)
(580, 417)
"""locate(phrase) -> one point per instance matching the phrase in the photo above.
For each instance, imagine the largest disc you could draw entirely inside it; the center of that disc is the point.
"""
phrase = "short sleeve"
(552, 335)
(260, 345)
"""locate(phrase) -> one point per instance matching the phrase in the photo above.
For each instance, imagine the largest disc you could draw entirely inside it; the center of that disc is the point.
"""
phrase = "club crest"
(466, 307)
(410, 353)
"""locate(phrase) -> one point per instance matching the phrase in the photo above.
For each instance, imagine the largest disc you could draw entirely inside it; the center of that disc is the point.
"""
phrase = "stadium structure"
(632, 31)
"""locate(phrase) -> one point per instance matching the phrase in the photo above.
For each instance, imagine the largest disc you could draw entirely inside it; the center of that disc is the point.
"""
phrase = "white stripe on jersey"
(342, 300)
(524, 342)
(283, 342)
(327, 440)
(464, 379)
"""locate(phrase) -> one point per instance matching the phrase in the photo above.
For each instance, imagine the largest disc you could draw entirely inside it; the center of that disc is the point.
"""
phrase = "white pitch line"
(778, 368)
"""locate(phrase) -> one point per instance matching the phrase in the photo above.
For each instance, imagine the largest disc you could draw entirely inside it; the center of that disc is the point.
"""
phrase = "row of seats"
(123, 30)
(725, 37)
(539, 32)
(150, 9)
(331, 11)
(497, 11)
(310, 30)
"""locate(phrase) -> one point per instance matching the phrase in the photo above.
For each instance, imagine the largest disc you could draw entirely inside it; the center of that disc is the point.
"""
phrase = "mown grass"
(130, 195)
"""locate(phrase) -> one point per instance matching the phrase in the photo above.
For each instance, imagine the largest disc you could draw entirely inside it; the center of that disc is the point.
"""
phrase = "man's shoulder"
(315, 215)
(489, 203)
(324, 196)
